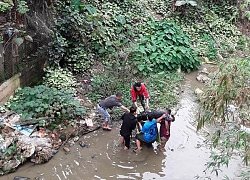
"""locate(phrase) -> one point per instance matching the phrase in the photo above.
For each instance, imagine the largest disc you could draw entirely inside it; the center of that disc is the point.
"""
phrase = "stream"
(103, 158)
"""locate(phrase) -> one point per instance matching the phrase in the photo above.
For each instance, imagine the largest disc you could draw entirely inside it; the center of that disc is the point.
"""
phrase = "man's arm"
(133, 94)
(145, 91)
(160, 118)
(147, 103)
(124, 108)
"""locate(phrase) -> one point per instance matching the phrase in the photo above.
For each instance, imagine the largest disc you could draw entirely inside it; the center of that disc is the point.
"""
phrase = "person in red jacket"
(140, 90)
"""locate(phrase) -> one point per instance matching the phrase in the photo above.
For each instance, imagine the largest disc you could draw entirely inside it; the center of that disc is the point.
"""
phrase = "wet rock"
(82, 144)
(203, 78)
(71, 142)
(66, 149)
(75, 138)
(198, 91)
(205, 71)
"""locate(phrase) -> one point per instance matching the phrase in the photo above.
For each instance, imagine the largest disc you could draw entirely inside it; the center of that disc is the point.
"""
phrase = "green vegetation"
(165, 48)
(163, 88)
(229, 87)
(45, 104)
(59, 78)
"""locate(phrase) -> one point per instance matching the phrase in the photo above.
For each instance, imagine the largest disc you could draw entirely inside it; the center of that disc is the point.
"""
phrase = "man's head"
(150, 117)
(137, 86)
(133, 109)
(168, 111)
(119, 96)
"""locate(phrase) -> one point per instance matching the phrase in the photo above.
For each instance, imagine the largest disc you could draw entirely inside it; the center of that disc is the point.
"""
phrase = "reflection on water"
(184, 159)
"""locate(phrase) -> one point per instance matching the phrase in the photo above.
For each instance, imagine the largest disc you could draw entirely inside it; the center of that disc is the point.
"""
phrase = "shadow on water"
(184, 159)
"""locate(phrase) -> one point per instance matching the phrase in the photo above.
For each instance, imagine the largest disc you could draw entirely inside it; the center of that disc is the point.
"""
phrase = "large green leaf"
(121, 19)
(90, 9)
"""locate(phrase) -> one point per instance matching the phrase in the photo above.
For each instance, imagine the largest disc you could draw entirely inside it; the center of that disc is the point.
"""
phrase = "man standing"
(128, 125)
(140, 90)
(165, 129)
(110, 102)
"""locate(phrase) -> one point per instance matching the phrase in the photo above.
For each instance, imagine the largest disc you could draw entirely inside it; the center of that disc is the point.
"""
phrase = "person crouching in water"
(165, 129)
(148, 132)
(128, 125)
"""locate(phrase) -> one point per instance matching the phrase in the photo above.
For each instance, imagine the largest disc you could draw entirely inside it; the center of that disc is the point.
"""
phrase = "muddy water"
(184, 159)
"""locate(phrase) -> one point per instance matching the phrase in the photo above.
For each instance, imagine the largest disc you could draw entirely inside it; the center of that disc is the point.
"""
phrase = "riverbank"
(103, 158)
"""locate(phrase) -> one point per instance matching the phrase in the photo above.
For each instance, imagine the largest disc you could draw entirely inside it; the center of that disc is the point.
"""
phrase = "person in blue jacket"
(148, 132)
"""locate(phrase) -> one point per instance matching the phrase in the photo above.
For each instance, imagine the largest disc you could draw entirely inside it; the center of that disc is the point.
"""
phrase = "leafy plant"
(59, 78)
(4, 6)
(22, 7)
(165, 48)
(40, 102)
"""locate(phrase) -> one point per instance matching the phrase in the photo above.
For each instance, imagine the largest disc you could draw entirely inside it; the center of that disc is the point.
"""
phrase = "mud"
(103, 158)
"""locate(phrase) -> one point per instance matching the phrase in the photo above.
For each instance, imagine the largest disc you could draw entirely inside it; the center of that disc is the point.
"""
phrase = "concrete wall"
(8, 88)
(29, 76)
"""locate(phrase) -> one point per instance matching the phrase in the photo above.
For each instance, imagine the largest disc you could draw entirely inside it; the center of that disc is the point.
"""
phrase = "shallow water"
(184, 159)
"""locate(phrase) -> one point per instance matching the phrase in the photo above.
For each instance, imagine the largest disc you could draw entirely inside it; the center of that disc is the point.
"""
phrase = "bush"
(42, 101)
(164, 48)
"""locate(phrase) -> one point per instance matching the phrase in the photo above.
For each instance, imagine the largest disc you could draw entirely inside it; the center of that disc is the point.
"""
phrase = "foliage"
(164, 89)
(59, 78)
(243, 43)
(160, 7)
(165, 48)
(22, 7)
(41, 101)
(98, 30)
(229, 87)
(67, 49)
(109, 83)
(4, 6)
(161, 88)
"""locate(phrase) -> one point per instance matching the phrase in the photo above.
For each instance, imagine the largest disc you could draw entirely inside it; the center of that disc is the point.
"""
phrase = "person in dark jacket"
(128, 125)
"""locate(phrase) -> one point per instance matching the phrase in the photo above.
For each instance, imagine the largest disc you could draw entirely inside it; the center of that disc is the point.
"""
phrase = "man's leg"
(162, 145)
(138, 144)
(127, 142)
(141, 98)
(106, 116)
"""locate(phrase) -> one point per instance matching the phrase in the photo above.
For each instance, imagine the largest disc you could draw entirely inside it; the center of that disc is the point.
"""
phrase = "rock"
(82, 144)
(198, 91)
(75, 138)
(71, 143)
(205, 71)
(203, 78)
(66, 149)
